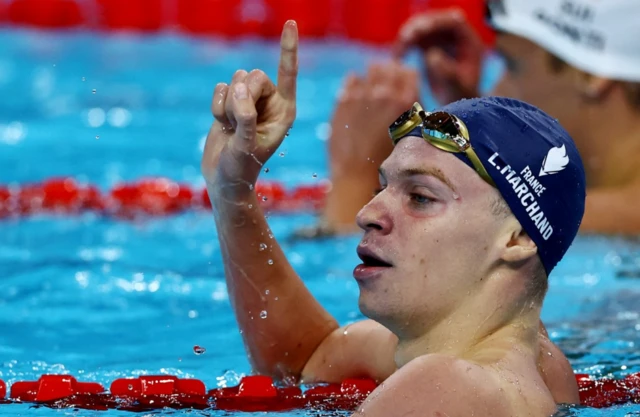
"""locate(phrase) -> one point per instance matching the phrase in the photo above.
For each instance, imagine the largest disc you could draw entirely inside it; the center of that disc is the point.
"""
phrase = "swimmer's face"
(432, 223)
(529, 76)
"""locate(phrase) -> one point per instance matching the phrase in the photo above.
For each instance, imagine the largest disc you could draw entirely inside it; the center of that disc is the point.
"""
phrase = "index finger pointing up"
(288, 68)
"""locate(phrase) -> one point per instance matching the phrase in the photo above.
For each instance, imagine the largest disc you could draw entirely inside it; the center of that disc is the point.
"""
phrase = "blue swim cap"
(535, 166)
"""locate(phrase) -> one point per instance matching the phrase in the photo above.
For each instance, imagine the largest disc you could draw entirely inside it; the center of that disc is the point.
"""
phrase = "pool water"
(103, 299)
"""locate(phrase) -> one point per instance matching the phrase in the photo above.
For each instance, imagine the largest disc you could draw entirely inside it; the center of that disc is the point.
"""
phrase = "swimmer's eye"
(419, 199)
(511, 64)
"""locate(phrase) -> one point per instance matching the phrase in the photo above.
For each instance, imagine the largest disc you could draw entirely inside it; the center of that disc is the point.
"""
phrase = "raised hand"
(452, 52)
(252, 117)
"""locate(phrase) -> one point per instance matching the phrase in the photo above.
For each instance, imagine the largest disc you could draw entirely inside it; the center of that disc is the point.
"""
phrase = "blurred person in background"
(579, 61)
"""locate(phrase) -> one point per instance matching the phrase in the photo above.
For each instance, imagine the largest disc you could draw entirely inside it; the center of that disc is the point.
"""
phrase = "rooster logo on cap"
(555, 161)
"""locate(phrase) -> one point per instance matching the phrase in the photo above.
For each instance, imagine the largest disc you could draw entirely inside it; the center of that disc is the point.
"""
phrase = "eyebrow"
(432, 172)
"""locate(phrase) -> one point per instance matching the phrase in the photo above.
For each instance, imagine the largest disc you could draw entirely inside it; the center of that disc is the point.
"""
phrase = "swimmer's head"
(567, 56)
(506, 195)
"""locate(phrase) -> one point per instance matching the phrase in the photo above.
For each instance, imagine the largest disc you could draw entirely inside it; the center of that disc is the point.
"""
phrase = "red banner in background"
(369, 21)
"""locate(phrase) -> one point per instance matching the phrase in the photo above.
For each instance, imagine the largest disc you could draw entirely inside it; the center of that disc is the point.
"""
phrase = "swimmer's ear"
(519, 247)
(594, 88)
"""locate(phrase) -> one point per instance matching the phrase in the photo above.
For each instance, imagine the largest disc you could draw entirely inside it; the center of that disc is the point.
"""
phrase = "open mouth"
(372, 260)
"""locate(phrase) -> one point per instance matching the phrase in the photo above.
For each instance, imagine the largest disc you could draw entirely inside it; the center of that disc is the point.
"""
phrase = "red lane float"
(199, 17)
(606, 392)
(254, 393)
(371, 21)
(48, 14)
(52, 387)
(152, 391)
(379, 24)
(146, 197)
(141, 15)
(313, 18)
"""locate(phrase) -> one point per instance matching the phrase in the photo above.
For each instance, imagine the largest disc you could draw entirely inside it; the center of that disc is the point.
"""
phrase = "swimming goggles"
(441, 129)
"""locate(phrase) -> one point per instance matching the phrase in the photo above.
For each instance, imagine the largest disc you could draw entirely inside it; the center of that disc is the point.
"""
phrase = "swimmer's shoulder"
(364, 349)
(557, 373)
(438, 385)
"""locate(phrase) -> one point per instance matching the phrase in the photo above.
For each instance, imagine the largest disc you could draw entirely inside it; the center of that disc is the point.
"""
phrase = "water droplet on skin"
(263, 246)
(250, 206)
(264, 198)
(94, 91)
(346, 126)
(266, 170)
(266, 292)
(270, 261)
(199, 350)
(263, 314)
(276, 298)
(456, 196)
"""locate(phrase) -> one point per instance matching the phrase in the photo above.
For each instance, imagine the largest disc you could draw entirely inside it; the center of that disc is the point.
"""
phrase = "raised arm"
(281, 322)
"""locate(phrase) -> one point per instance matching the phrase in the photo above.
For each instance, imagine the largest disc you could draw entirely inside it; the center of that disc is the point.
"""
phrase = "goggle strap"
(475, 161)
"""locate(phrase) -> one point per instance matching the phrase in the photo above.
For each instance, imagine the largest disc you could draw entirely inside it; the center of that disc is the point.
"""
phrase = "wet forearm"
(282, 324)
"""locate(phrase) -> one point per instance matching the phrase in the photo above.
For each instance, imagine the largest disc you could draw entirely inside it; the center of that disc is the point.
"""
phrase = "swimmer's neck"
(465, 335)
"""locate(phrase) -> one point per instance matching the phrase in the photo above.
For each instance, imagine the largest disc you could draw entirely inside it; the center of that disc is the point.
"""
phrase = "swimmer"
(578, 61)
(477, 204)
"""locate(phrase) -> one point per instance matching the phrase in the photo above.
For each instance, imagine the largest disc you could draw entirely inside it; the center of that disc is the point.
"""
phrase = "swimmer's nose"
(374, 216)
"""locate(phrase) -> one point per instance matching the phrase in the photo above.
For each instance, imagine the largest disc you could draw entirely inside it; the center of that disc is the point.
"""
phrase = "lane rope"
(253, 393)
(145, 197)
